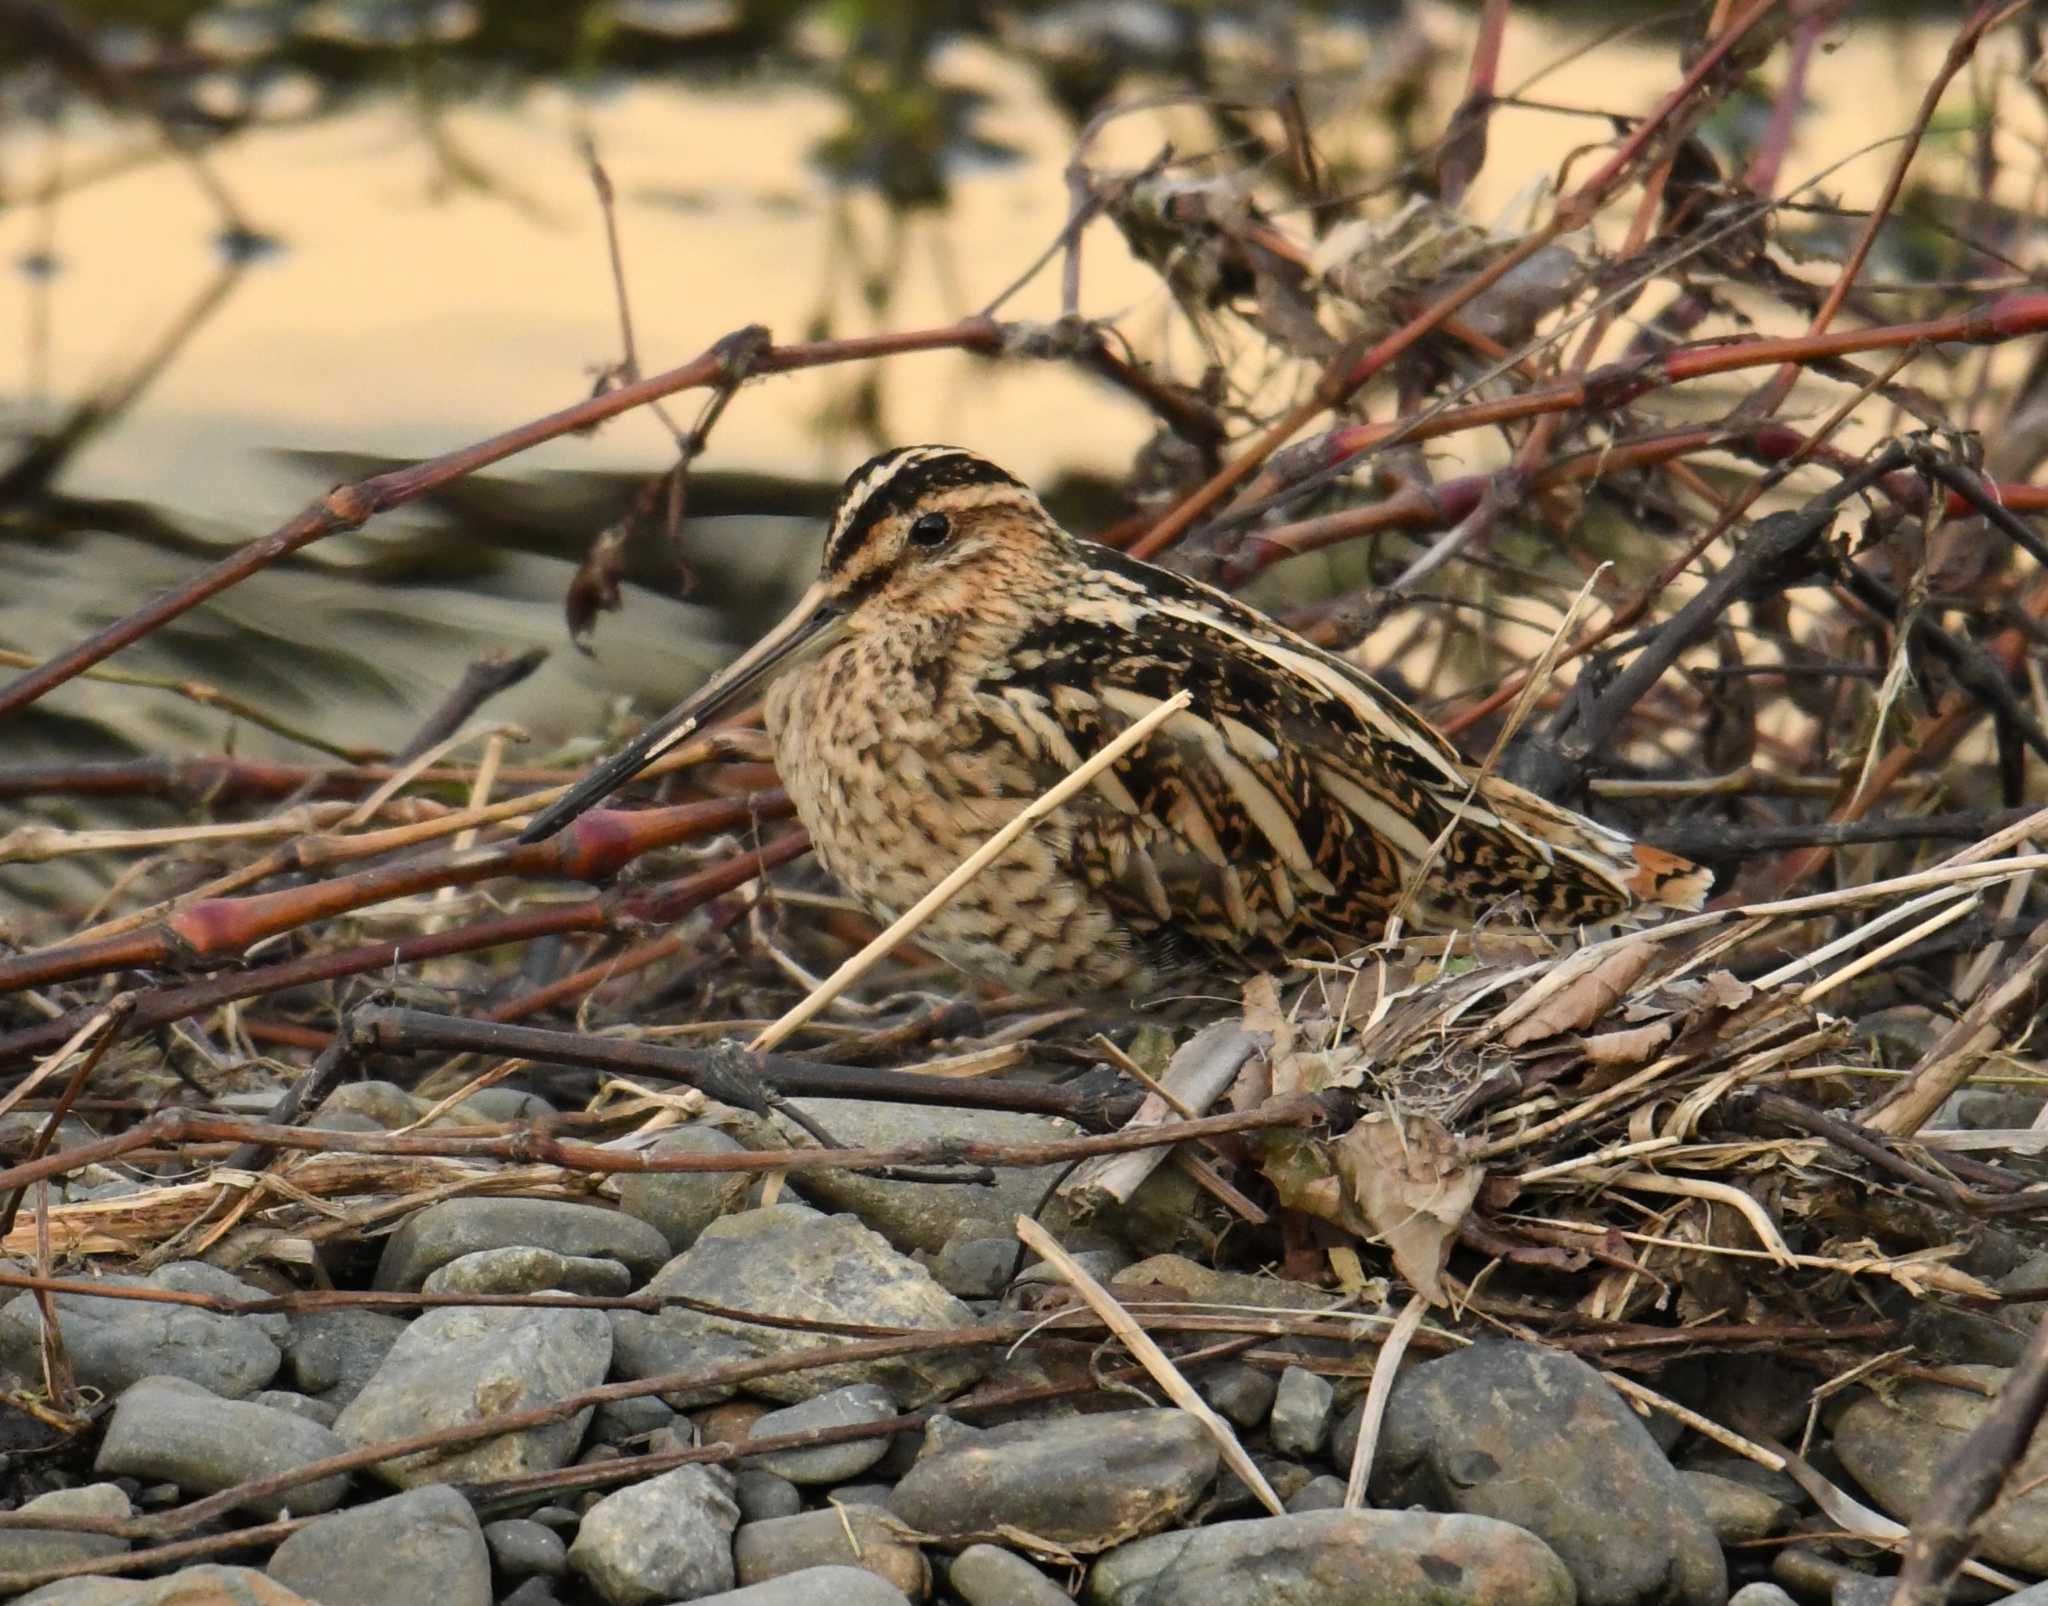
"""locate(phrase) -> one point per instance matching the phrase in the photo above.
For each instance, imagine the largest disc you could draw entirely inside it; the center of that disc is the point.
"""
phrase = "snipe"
(960, 652)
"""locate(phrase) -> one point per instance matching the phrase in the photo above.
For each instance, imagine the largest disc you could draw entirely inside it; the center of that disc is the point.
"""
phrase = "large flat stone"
(465, 1364)
(165, 1427)
(423, 1545)
(440, 1233)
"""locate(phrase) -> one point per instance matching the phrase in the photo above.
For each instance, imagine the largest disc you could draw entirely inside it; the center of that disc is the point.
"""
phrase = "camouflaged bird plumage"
(975, 653)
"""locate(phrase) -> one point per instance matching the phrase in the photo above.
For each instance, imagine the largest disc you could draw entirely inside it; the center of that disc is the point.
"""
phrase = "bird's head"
(923, 531)
(920, 533)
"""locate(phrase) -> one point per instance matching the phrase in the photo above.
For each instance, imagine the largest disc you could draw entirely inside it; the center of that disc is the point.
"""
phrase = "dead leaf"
(1284, 1072)
(1410, 1179)
(1463, 149)
(1262, 1012)
(1582, 1000)
(1349, 1271)
(1726, 991)
(1630, 1047)
(595, 588)
(1499, 1192)
(1298, 1167)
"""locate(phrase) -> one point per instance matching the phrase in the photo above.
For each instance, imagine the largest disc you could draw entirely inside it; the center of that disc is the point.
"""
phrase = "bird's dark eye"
(931, 529)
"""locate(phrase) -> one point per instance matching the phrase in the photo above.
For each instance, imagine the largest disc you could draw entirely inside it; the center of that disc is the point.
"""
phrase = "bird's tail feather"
(1645, 874)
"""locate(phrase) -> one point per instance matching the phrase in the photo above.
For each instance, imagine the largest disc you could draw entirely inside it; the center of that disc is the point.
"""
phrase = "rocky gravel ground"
(1505, 1472)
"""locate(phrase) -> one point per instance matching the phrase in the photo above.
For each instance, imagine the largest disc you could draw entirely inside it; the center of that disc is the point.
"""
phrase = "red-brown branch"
(213, 929)
(656, 905)
(350, 507)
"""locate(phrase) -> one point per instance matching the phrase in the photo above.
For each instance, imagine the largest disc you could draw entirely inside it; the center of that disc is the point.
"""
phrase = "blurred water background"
(394, 248)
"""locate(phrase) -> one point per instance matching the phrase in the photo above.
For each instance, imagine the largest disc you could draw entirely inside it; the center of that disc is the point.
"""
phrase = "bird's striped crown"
(907, 483)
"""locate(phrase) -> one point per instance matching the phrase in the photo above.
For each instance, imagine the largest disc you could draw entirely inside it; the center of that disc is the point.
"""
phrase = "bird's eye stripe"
(895, 482)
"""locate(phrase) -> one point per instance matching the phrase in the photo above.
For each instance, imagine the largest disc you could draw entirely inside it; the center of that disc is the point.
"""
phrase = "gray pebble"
(1740, 1469)
(165, 1427)
(853, 1535)
(1897, 1444)
(1102, 1264)
(1387, 1558)
(503, 1103)
(1324, 1493)
(681, 1204)
(524, 1549)
(385, 1105)
(528, 1269)
(904, 1449)
(440, 1233)
(114, 1343)
(860, 1494)
(943, 1433)
(25, 1549)
(987, 1575)
(1806, 1574)
(188, 1586)
(1234, 1497)
(1530, 1436)
(464, 1364)
(922, 1216)
(834, 1586)
(423, 1545)
(347, 1121)
(617, 1421)
(332, 1353)
(826, 1463)
(762, 1495)
(322, 1411)
(1300, 1421)
(975, 1267)
(649, 1346)
(1738, 1513)
(1082, 1482)
(1760, 1595)
(788, 1261)
(668, 1538)
(1242, 1393)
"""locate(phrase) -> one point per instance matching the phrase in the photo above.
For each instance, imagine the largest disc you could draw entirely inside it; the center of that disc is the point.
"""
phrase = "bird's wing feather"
(1296, 796)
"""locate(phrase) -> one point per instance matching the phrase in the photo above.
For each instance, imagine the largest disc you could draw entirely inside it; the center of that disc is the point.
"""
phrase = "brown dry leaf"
(1348, 1269)
(1410, 1179)
(1299, 1170)
(1726, 991)
(1499, 1192)
(595, 588)
(1630, 1047)
(1585, 998)
(1262, 1011)
(1284, 1072)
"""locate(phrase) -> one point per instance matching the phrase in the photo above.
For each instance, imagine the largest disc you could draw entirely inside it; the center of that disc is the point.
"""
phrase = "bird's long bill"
(809, 626)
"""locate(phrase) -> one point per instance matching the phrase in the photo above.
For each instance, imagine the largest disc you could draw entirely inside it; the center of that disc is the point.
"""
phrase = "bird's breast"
(898, 778)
